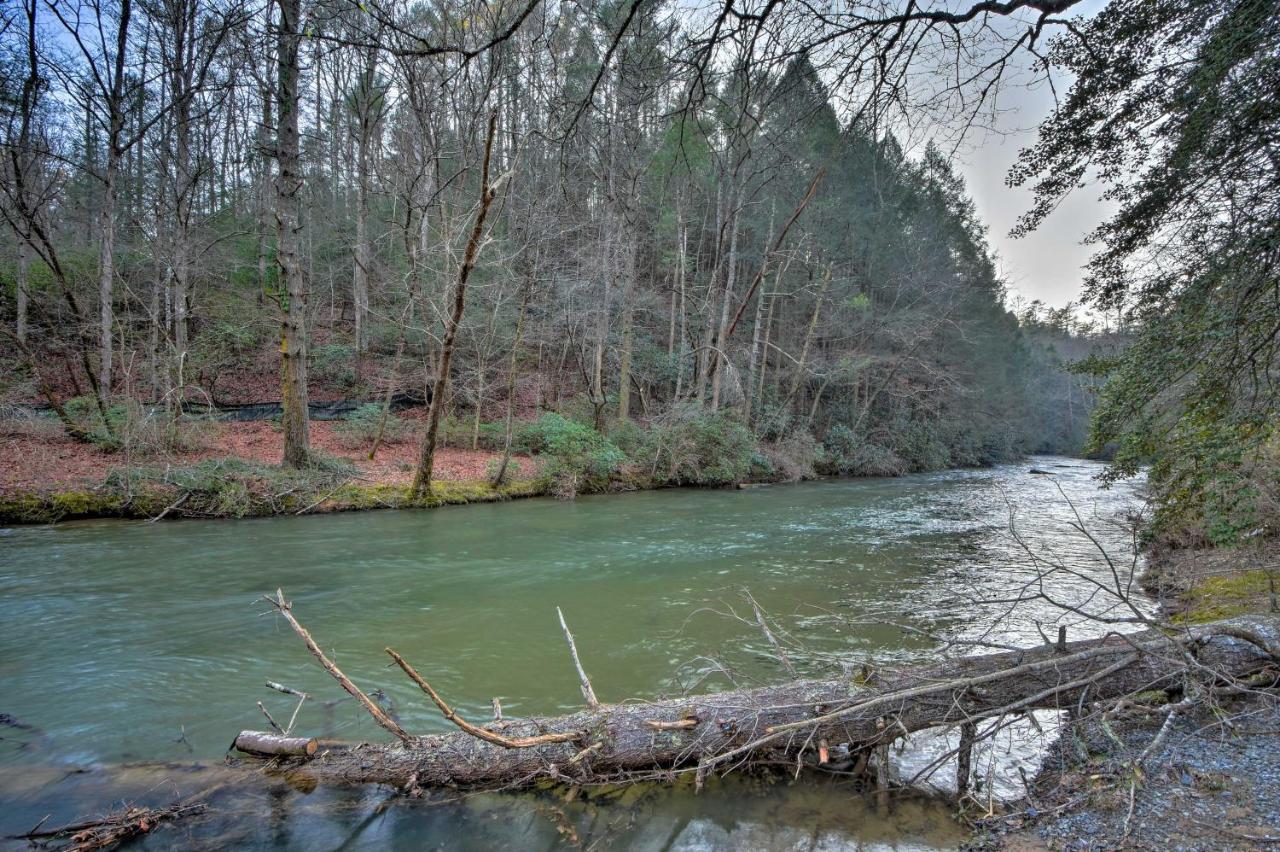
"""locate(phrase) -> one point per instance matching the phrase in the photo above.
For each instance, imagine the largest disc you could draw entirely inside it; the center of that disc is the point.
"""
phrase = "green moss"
(1226, 596)
(1151, 698)
(23, 508)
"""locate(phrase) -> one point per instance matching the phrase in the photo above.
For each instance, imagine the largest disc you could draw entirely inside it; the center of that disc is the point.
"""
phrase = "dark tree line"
(696, 215)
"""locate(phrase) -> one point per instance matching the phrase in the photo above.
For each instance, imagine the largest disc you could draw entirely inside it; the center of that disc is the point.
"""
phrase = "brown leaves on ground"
(45, 462)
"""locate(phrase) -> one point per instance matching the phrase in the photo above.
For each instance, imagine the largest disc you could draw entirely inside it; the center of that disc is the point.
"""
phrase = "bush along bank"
(684, 447)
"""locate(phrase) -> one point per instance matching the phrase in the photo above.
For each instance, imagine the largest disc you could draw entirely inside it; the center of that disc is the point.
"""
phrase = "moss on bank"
(1225, 596)
(242, 498)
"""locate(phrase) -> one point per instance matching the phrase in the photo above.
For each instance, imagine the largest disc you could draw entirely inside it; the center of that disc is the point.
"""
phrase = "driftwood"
(108, 831)
(275, 745)
(718, 732)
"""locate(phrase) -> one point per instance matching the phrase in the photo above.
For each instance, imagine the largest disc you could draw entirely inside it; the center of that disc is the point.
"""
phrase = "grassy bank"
(245, 498)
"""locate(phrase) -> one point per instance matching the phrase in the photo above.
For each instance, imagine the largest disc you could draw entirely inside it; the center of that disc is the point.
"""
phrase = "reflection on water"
(736, 813)
(125, 642)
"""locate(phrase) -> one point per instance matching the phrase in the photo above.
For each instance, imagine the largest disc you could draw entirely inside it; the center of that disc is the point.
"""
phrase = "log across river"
(724, 730)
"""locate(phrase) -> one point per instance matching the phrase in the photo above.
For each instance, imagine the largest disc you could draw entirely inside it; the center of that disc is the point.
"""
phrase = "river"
(125, 643)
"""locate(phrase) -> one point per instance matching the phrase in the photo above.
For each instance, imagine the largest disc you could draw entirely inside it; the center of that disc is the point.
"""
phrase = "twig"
(273, 722)
(591, 749)
(283, 607)
(475, 730)
(167, 509)
(588, 694)
(677, 725)
(306, 509)
(773, 640)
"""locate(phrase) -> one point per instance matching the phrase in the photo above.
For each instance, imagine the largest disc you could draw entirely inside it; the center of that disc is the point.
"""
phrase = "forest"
(709, 266)
(308, 257)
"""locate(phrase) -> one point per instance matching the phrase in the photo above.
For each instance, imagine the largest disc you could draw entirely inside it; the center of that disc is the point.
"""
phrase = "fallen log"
(718, 732)
(265, 744)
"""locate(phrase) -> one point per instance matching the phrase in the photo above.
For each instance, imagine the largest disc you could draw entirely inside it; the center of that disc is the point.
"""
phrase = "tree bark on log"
(275, 745)
(722, 731)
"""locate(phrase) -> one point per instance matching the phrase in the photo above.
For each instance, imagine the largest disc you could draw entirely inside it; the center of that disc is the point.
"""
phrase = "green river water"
(131, 643)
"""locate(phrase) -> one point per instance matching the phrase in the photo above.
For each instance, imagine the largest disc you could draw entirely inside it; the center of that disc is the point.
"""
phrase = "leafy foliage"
(1174, 107)
(361, 426)
(691, 446)
(575, 452)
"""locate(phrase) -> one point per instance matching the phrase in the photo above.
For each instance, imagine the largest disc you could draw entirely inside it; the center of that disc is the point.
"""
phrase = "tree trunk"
(106, 267)
(500, 476)
(720, 355)
(427, 456)
(107, 213)
(293, 335)
(363, 255)
(727, 730)
(23, 265)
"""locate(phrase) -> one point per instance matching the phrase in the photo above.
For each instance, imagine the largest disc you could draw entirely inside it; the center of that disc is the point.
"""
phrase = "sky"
(1047, 264)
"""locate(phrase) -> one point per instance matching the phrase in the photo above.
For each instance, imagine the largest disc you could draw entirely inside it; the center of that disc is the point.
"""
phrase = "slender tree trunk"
(427, 457)
(682, 349)
(293, 334)
(627, 273)
(500, 476)
(719, 356)
(264, 189)
(106, 268)
(757, 332)
(802, 361)
(107, 213)
(23, 264)
(363, 255)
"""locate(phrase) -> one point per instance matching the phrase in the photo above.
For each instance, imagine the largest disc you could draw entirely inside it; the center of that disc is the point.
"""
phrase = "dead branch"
(475, 730)
(284, 608)
(588, 694)
(114, 828)
(768, 634)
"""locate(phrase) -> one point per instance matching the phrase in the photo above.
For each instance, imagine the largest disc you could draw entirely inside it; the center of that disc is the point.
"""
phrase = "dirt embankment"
(52, 461)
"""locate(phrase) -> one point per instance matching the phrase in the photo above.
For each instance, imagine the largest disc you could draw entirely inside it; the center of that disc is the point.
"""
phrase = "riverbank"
(46, 476)
(1209, 782)
(230, 470)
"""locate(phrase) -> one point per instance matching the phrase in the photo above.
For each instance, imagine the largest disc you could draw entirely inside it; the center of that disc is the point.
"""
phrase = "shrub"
(458, 431)
(139, 429)
(795, 457)
(21, 421)
(360, 427)
(846, 454)
(691, 446)
(233, 487)
(575, 452)
(334, 364)
(103, 432)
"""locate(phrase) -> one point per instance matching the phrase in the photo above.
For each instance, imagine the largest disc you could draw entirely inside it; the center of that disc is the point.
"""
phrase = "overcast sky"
(1046, 265)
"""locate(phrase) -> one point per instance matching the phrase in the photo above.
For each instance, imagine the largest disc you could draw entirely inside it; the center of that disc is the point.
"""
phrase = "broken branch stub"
(275, 745)
(588, 694)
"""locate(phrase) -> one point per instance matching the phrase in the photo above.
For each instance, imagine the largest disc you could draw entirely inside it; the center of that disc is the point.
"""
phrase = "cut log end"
(265, 744)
